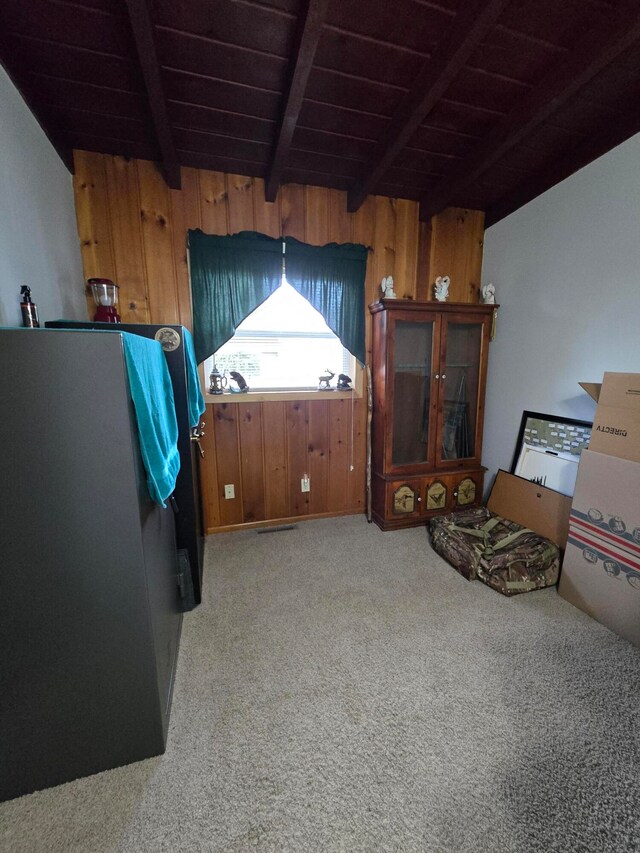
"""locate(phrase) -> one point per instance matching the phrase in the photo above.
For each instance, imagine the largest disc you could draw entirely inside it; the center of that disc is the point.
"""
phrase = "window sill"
(279, 396)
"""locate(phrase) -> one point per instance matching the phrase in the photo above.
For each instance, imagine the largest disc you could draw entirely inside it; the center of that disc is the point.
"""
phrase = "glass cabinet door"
(460, 386)
(412, 370)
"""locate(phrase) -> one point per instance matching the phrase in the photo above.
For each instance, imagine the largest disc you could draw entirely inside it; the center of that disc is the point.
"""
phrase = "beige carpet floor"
(342, 689)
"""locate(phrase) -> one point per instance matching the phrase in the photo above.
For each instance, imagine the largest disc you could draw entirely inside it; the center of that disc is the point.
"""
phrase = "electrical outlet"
(305, 484)
(229, 491)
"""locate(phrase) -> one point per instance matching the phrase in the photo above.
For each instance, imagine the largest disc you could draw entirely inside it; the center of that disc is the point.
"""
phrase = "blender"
(105, 295)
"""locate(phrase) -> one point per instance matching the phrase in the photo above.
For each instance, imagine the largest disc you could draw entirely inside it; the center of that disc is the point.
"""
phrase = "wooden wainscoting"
(133, 229)
(265, 449)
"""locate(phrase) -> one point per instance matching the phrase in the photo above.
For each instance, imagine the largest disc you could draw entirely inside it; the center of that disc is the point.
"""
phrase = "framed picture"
(548, 450)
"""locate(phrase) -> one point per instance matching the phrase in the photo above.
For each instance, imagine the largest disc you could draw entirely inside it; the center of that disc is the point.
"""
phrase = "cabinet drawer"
(417, 497)
(466, 489)
(449, 492)
(413, 500)
(403, 500)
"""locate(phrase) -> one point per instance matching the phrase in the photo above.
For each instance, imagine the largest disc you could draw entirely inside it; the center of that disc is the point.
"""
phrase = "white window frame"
(352, 369)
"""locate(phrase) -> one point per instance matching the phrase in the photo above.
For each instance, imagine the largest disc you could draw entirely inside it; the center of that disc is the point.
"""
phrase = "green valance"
(231, 276)
(332, 278)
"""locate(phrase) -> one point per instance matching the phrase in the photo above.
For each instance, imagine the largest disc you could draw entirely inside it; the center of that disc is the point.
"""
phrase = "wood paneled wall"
(132, 229)
(452, 243)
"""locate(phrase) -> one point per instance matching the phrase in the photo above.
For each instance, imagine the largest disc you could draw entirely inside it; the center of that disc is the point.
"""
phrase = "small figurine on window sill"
(240, 381)
(217, 381)
(323, 381)
(344, 382)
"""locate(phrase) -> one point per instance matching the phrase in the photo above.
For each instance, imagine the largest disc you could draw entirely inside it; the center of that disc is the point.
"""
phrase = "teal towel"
(194, 391)
(152, 394)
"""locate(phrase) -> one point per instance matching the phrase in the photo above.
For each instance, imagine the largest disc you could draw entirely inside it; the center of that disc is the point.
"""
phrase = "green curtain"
(230, 277)
(332, 278)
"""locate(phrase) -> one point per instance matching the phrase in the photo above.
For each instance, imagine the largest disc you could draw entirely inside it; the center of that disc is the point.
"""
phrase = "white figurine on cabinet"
(441, 288)
(386, 285)
(488, 294)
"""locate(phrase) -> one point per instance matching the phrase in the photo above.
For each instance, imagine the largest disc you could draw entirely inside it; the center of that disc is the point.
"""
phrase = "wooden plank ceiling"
(474, 103)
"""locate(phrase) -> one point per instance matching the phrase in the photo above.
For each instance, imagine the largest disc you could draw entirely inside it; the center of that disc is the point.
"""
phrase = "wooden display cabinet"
(429, 378)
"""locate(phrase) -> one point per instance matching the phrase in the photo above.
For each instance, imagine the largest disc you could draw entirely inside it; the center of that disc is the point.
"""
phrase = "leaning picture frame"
(548, 450)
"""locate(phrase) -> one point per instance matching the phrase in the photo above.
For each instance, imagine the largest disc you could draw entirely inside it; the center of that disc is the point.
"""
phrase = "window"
(284, 344)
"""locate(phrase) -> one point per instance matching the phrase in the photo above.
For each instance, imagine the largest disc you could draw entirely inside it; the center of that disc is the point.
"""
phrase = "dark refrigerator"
(90, 617)
(187, 501)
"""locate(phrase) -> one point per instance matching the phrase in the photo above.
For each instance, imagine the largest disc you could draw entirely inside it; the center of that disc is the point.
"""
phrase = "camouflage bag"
(504, 555)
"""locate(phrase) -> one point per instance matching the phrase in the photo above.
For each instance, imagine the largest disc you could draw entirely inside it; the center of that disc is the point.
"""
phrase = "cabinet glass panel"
(412, 358)
(462, 376)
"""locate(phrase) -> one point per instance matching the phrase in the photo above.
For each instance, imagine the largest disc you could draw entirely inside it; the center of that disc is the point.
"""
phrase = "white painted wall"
(567, 272)
(38, 236)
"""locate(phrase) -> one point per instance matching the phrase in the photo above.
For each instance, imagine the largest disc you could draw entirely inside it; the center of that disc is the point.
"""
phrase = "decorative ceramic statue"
(441, 288)
(386, 285)
(488, 294)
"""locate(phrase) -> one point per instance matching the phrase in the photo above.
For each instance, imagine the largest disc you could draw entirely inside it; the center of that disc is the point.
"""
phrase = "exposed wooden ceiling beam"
(611, 134)
(142, 27)
(471, 25)
(307, 38)
(592, 53)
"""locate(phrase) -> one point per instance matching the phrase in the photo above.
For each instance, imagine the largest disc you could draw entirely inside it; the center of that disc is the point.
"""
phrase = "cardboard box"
(542, 510)
(601, 568)
(616, 426)
(592, 389)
